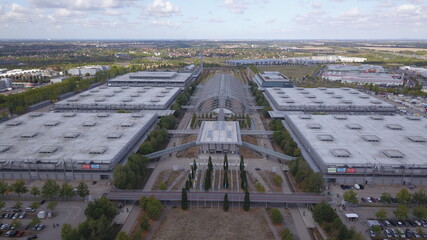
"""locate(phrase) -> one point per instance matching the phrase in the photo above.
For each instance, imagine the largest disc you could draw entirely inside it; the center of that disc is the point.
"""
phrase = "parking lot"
(71, 212)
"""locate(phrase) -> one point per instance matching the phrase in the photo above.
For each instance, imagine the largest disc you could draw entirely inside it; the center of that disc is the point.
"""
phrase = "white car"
(4, 226)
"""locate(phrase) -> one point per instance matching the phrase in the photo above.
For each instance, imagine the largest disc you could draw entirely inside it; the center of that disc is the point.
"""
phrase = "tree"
(420, 196)
(226, 203)
(68, 233)
(225, 162)
(122, 236)
(4, 187)
(287, 234)
(19, 187)
(82, 190)
(52, 205)
(403, 196)
(208, 183)
(18, 205)
(2, 204)
(350, 196)
(101, 207)
(194, 165)
(376, 229)
(35, 205)
(145, 224)
(50, 189)
(420, 212)
(401, 212)
(322, 212)
(276, 216)
(35, 191)
(248, 121)
(66, 191)
(193, 120)
(381, 214)
(386, 197)
(210, 165)
(243, 180)
(277, 180)
(154, 208)
(34, 222)
(246, 202)
(242, 163)
(225, 182)
(162, 186)
(16, 223)
(184, 199)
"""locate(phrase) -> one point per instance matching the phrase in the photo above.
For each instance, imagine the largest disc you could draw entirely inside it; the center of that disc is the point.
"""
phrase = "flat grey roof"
(334, 97)
(153, 77)
(227, 132)
(273, 76)
(135, 97)
(373, 143)
(69, 140)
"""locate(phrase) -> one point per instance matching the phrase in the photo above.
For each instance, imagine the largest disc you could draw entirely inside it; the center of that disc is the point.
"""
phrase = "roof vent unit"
(103, 87)
(375, 101)
(117, 91)
(417, 139)
(13, 123)
(141, 91)
(311, 96)
(51, 123)
(394, 126)
(148, 87)
(305, 92)
(125, 87)
(165, 91)
(305, 116)
(314, 126)
(114, 135)
(299, 88)
(169, 88)
(35, 114)
(347, 101)
(103, 115)
(72, 100)
(127, 100)
(99, 99)
(325, 137)
(354, 92)
(321, 88)
(329, 92)
(338, 96)
(98, 150)
(155, 100)
(29, 135)
(364, 96)
(160, 95)
(137, 115)
(414, 118)
(109, 95)
(345, 89)
(354, 126)
(84, 95)
(48, 150)
(393, 154)
(69, 115)
(127, 124)
(377, 118)
(341, 153)
(71, 135)
(285, 96)
(94, 91)
(318, 101)
(89, 124)
(371, 138)
(135, 95)
(340, 117)
(289, 101)
(4, 148)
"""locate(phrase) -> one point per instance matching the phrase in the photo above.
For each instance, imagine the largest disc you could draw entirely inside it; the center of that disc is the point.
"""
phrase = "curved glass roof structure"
(223, 91)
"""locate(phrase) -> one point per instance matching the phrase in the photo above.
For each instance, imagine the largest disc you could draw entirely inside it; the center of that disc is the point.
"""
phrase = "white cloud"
(81, 4)
(236, 6)
(15, 13)
(166, 23)
(271, 20)
(161, 8)
(316, 5)
(354, 12)
(215, 20)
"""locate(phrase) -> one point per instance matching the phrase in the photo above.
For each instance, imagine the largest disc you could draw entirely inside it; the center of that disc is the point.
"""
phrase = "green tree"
(35, 205)
(208, 183)
(226, 204)
(4, 187)
(376, 229)
(68, 233)
(276, 216)
(287, 235)
(2, 204)
(145, 224)
(401, 212)
(162, 186)
(225, 181)
(350, 196)
(50, 189)
(194, 165)
(154, 208)
(35, 191)
(381, 214)
(242, 163)
(66, 191)
(404, 196)
(193, 120)
(420, 212)
(246, 202)
(18, 205)
(52, 205)
(122, 236)
(184, 199)
(386, 197)
(248, 121)
(322, 212)
(420, 196)
(277, 180)
(16, 223)
(34, 222)
(101, 207)
(210, 165)
(82, 190)
(19, 187)
(225, 162)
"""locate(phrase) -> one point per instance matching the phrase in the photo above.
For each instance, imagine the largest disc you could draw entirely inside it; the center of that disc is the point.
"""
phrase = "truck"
(41, 214)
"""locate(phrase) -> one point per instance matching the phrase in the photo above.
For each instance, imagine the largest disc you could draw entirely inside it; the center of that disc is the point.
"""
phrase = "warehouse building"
(363, 74)
(363, 149)
(87, 70)
(69, 146)
(219, 137)
(144, 78)
(272, 79)
(105, 98)
(5, 84)
(333, 100)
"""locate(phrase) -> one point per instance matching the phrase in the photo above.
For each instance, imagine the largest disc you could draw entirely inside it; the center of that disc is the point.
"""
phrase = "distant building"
(419, 70)
(145, 78)
(219, 137)
(85, 70)
(295, 61)
(5, 84)
(19, 72)
(57, 80)
(272, 79)
(363, 74)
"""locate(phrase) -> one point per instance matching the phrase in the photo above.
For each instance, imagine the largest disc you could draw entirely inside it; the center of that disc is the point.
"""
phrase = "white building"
(5, 84)
(219, 137)
(85, 70)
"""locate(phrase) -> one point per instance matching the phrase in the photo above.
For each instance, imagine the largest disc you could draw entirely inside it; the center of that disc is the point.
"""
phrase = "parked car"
(35, 227)
(40, 227)
(32, 237)
(29, 209)
(22, 215)
(4, 226)
(20, 233)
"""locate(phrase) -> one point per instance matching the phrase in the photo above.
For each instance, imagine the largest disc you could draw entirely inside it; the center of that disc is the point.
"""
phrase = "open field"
(246, 152)
(291, 71)
(395, 49)
(191, 152)
(214, 224)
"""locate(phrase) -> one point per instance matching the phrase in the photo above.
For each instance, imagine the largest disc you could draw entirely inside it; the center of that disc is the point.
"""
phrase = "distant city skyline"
(213, 19)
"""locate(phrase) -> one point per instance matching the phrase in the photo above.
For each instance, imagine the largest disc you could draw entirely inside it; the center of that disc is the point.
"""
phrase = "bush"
(259, 187)
(145, 224)
(287, 234)
(277, 180)
(276, 216)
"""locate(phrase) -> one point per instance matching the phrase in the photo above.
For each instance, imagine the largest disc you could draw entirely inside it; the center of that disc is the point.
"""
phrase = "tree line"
(260, 99)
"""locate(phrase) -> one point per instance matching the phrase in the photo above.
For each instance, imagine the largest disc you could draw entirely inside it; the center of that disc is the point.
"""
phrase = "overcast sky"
(213, 19)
